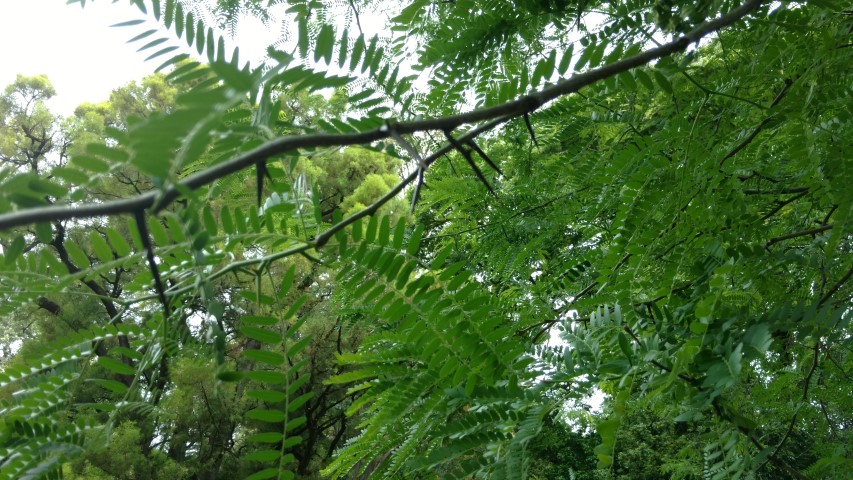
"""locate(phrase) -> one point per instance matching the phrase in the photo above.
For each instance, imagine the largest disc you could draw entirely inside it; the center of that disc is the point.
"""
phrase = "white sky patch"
(78, 51)
(82, 55)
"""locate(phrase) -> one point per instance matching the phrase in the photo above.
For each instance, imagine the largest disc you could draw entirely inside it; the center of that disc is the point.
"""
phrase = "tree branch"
(504, 112)
(49, 305)
(803, 233)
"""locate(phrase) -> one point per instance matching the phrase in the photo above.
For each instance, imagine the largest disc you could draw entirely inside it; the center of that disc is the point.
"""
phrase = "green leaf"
(357, 50)
(179, 19)
(201, 240)
(111, 385)
(596, 55)
(90, 163)
(297, 347)
(116, 366)
(261, 335)
(414, 243)
(118, 242)
(295, 423)
(270, 396)
(439, 259)
(625, 346)
(100, 246)
(566, 60)
(299, 401)
(344, 48)
(14, 251)
(270, 358)
(160, 53)
(44, 232)
(585, 56)
(272, 378)
(158, 232)
(152, 44)
(370, 53)
(302, 36)
(643, 78)
(174, 60)
(239, 80)
(384, 230)
(265, 415)
(176, 228)
(263, 456)
(627, 80)
(227, 222)
(662, 81)
(76, 254)
(71, 175)
(325, 44)
(47, 187)
(129, 23)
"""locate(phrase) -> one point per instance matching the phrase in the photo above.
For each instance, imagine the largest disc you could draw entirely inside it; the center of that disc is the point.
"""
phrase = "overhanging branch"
(505, 111)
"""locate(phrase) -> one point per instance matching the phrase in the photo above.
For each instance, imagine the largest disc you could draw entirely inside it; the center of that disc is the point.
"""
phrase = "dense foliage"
(418, 254)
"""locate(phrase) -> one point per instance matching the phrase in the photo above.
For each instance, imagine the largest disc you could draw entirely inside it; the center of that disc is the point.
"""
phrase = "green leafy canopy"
(456, 231)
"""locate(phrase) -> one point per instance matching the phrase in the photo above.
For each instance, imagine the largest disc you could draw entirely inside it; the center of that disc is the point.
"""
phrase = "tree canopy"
(418, 254)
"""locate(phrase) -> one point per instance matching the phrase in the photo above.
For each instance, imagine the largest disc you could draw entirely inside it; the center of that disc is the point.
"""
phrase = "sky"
(78, 50)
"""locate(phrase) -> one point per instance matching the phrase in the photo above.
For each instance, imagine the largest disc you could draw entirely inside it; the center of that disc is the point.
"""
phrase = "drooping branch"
(504, 111)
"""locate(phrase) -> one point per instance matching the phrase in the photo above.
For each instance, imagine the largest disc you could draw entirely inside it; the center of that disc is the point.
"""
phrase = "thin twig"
(803, 398)
(803, 233)
(355, 12)
(749, 138)
(836, 287)
(781, 204)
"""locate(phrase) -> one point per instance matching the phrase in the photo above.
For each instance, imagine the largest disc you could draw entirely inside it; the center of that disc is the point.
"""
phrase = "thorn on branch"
(416, 156)
(260, 172)
(417, 193)
(467, 155)
(530, 129)
(311, 258)
(142, 227)
(488, 160)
